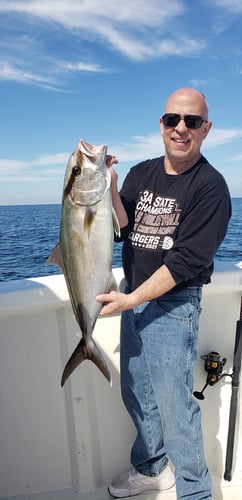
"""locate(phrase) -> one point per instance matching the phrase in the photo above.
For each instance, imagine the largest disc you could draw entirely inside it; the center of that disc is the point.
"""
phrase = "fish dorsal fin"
(56, 258)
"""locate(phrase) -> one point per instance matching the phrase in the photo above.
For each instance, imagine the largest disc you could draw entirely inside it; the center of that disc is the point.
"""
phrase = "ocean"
(28, 233)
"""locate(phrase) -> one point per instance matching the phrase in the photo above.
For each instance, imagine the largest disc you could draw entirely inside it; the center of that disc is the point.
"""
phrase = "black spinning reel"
(214, 365)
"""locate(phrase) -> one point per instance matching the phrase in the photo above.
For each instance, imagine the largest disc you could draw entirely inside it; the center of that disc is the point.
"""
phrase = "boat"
(67, 443)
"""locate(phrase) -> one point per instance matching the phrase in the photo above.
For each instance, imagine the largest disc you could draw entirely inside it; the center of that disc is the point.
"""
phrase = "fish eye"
(76, 170)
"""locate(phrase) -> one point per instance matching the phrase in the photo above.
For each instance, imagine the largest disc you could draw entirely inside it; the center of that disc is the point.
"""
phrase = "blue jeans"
(158, 352)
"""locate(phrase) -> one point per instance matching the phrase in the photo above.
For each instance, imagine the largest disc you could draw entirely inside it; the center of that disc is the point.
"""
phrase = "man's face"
(182, 144)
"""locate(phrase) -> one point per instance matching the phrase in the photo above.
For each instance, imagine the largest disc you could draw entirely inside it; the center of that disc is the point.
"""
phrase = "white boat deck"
(226, 493)
(67, 444)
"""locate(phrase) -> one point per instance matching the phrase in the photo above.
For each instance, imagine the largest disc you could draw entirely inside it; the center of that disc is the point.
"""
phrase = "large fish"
(84, 252)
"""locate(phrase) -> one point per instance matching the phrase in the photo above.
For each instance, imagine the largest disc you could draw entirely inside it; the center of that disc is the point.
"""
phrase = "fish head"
(87, 177)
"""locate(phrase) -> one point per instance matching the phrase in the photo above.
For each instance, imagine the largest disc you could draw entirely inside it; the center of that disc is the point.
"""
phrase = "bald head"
(193, 101)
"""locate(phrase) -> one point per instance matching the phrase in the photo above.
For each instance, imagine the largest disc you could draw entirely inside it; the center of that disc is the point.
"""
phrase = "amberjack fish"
(84, 252)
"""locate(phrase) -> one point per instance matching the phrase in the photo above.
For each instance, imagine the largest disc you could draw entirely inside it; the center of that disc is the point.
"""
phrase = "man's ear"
(161, 124)
(207, 126)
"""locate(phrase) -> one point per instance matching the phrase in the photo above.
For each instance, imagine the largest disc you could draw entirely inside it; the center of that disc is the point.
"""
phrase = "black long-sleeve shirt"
(176, 220)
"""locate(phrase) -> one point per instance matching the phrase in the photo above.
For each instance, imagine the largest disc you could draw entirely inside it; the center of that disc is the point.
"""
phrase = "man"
(173, 211)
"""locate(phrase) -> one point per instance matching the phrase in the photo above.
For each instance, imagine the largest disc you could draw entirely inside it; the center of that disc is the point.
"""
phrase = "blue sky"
(101, 70)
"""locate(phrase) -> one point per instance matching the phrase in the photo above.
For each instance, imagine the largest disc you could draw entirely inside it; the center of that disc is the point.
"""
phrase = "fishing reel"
(214, 365)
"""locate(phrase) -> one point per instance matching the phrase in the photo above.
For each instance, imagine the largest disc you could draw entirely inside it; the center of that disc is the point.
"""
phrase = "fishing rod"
(214, 364)
(234, 398)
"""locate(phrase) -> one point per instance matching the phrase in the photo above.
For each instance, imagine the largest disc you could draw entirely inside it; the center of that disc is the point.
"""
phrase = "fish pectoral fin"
(56, 258)
(116, 226)
(113, 285)
(88, 219)
(82, 352)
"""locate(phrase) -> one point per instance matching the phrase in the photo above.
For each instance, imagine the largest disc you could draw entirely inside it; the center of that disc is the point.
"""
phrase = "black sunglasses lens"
(171, 119)
(193, 121)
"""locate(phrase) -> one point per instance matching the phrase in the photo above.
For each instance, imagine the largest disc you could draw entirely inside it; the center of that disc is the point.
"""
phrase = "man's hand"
(116, 200)
(114, 302)
(111, 160)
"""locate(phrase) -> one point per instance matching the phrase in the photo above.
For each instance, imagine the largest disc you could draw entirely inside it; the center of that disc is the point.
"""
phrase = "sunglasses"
(191, 121)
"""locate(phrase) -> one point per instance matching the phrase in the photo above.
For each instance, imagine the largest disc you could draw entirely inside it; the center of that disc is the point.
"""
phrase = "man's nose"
(181, 126)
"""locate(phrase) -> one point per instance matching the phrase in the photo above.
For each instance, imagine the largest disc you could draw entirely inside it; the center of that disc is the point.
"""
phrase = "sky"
(101, 70)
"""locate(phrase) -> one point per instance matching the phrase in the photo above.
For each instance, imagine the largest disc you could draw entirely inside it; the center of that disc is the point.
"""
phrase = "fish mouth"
(94, 153)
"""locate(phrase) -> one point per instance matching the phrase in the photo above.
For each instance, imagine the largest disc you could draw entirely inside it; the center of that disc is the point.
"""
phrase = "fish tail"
(85, 351)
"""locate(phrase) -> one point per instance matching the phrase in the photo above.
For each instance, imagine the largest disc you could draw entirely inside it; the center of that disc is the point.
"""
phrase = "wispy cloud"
(9, 167)
(55, 159)
(138, 30)
(11, 72)
(94, 15)
(41, 168)
(138, 148)
(218, 137)
(233, 6)
(198, 83)
(236, 158)
(81, 67)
